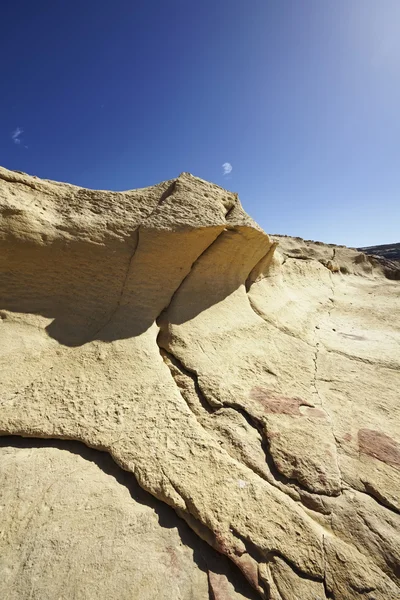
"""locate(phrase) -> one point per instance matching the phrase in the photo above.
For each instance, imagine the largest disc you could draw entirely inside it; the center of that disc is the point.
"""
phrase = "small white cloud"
(227, 168)
(16, 135)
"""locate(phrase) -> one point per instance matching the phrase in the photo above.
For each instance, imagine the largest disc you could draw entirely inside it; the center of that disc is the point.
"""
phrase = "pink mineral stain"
(380, 446)
(174, 562)
(277, 404)
(219, 586)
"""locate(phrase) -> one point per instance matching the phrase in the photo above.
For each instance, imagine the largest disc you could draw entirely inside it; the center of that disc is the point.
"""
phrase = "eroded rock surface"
(250, 383)
(76, 526)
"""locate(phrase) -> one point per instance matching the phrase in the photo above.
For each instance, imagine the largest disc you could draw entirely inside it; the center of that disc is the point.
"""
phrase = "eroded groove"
(262, 264)
(164, 311)
(168, 356)
(317, 343)
(291, 487)
(168, 192)
(366, 361)
(328, 593)
(294, 567)
(286, 482)
(190, 515)
(276, 478)
(282, 330)
(257, 557)
(122, 291)
(207, 535)
(209, 410)
(316, 378)
(260, 558)
(205, 406)
(373, 494)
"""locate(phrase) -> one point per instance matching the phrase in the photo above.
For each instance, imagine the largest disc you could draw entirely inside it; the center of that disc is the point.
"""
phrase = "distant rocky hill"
(388, 251)
(389, 257)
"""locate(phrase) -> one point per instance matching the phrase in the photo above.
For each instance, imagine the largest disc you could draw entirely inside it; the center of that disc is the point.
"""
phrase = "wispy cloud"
(227, 168)
(16, 135)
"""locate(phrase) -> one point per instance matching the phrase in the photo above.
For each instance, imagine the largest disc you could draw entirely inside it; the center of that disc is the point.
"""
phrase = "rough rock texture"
(77, 526)
(389, 257)
(252, 389)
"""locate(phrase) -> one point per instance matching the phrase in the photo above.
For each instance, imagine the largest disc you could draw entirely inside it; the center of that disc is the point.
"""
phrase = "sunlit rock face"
(251, 383)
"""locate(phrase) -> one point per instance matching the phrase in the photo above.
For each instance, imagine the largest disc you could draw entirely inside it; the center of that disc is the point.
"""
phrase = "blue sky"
(301, 98)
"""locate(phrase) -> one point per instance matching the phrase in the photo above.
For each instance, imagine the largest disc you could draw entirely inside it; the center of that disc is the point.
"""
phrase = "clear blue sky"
(301, 97)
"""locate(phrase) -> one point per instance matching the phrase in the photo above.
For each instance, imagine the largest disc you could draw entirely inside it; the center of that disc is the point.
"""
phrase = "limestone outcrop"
(251, 383)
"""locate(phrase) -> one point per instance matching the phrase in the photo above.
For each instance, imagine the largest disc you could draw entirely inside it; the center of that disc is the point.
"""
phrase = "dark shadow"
(204, 556)
(78, 285)
(168, 192)
(117, 291)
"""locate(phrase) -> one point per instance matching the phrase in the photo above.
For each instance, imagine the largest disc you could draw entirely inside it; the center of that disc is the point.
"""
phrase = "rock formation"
(249, 383)
(389, 257)
(388, 251)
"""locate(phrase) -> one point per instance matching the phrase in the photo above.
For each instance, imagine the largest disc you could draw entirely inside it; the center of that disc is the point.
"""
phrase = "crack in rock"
(203, 409)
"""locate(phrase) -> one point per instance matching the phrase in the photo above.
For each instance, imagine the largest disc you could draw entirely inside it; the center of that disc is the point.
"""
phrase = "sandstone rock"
(252, 389)
(76, 526)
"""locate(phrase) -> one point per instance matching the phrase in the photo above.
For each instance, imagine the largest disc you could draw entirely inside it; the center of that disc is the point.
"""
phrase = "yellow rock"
(251, 383)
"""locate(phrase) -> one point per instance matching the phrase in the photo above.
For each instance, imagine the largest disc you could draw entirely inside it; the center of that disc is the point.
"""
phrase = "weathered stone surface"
(388, 255)
(253, 390)
(74, 525)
